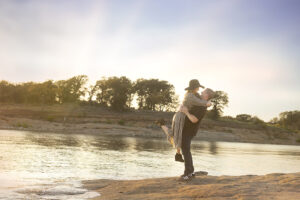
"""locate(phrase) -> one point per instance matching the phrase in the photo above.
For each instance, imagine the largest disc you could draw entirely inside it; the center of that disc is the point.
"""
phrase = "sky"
(249, 49)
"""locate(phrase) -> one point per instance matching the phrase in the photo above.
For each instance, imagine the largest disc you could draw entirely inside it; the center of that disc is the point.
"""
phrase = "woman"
(191, 98)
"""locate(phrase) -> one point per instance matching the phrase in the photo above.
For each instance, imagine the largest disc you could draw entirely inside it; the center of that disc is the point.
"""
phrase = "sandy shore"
(250, 187)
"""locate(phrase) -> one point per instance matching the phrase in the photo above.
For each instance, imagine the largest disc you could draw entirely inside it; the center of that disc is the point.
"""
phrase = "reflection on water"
(106, 143)
(27, 157)
(213, 148)
(99, 142)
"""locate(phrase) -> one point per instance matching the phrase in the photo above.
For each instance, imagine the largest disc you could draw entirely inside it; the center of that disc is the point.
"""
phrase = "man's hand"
(208, 104)
(191, 117)
(178, 108)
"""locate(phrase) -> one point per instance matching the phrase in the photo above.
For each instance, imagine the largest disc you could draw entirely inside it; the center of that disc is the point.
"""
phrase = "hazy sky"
(249, 49)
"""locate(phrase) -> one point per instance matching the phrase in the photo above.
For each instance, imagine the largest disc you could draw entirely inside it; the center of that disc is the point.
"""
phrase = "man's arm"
(189, 115)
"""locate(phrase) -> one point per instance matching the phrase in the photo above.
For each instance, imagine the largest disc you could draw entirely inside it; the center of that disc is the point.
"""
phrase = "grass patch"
(50, 118)
(108, 122)
(82, 115)
(22, 125)
(227, 130)
(298, 140)
(121, 122)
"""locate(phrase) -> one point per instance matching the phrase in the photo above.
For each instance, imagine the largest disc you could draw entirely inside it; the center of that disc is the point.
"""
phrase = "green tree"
(6, 92)
(92, 92)
(153, 94)
(28, 92)
(49, 92)
(274, 121)
(39, 93)
(290, 119)
(115, 92)
(219, 101)
(256, 120)
(18, 93)
(72, 89)
(101, 92)
(31, 92)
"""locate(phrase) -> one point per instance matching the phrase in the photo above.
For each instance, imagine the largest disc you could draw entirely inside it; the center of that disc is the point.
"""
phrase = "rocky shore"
(74, 119)
(249, 187)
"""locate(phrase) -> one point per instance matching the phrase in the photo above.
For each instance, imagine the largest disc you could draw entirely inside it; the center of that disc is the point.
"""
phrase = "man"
(190, 129)
(191, 98)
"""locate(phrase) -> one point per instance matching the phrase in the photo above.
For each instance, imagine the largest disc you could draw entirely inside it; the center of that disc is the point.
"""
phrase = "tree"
(153, 94)
(72, 89)
(100, 91)
(49, 92)
(115, 92)
(274, 120)
(6, 90)
(91, 92)
(219, 101)
(40, 93)
(290, 119)
(256, 120)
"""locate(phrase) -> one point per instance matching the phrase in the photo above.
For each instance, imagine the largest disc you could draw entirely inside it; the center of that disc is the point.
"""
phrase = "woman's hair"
(189, 91)
(210, 92)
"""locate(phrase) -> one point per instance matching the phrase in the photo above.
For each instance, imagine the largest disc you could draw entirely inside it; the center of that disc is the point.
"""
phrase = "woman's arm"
(192, 100)
(190, 116)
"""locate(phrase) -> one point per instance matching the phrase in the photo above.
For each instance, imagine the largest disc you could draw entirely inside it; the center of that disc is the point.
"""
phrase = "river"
(52, 166)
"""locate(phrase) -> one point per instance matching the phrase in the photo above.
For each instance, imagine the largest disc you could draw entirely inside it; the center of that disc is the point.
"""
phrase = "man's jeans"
(186, 151)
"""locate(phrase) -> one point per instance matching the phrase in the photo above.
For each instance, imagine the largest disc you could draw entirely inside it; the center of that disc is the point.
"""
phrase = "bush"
(228, 118)
(244, 117)
(121, 122)
(50, 118)
(257, 121)
(108, 121)
(22, 125)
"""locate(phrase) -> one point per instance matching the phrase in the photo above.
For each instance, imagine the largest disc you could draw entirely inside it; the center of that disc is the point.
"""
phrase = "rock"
(201, 173)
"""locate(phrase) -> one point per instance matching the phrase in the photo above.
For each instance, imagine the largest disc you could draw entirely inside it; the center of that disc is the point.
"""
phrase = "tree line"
(118, 93)
(288, 119)
(121, 93)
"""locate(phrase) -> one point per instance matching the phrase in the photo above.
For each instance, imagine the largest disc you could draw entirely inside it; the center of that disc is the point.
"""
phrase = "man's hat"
(194, 83)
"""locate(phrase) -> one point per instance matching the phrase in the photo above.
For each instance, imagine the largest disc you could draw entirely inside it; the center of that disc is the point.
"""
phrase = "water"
(52, 166)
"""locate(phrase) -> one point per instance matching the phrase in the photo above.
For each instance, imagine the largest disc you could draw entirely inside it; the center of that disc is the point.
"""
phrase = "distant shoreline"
(123, 131)
(97, 121)
(270, 186)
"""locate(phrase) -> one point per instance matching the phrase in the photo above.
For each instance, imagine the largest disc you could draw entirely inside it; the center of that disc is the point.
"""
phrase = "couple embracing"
(185, 124)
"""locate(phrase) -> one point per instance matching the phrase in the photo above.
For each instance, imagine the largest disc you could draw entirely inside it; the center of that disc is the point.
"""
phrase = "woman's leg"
(166, 131)
(170, 139)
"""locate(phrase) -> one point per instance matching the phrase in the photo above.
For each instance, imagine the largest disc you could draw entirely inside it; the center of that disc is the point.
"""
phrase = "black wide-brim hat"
(193, 84)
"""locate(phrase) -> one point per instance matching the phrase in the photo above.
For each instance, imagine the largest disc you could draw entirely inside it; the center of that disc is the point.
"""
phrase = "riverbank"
(271, 186)
(75, 119)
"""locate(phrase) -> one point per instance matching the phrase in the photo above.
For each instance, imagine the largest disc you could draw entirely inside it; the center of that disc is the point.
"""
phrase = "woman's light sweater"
(190, 100)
